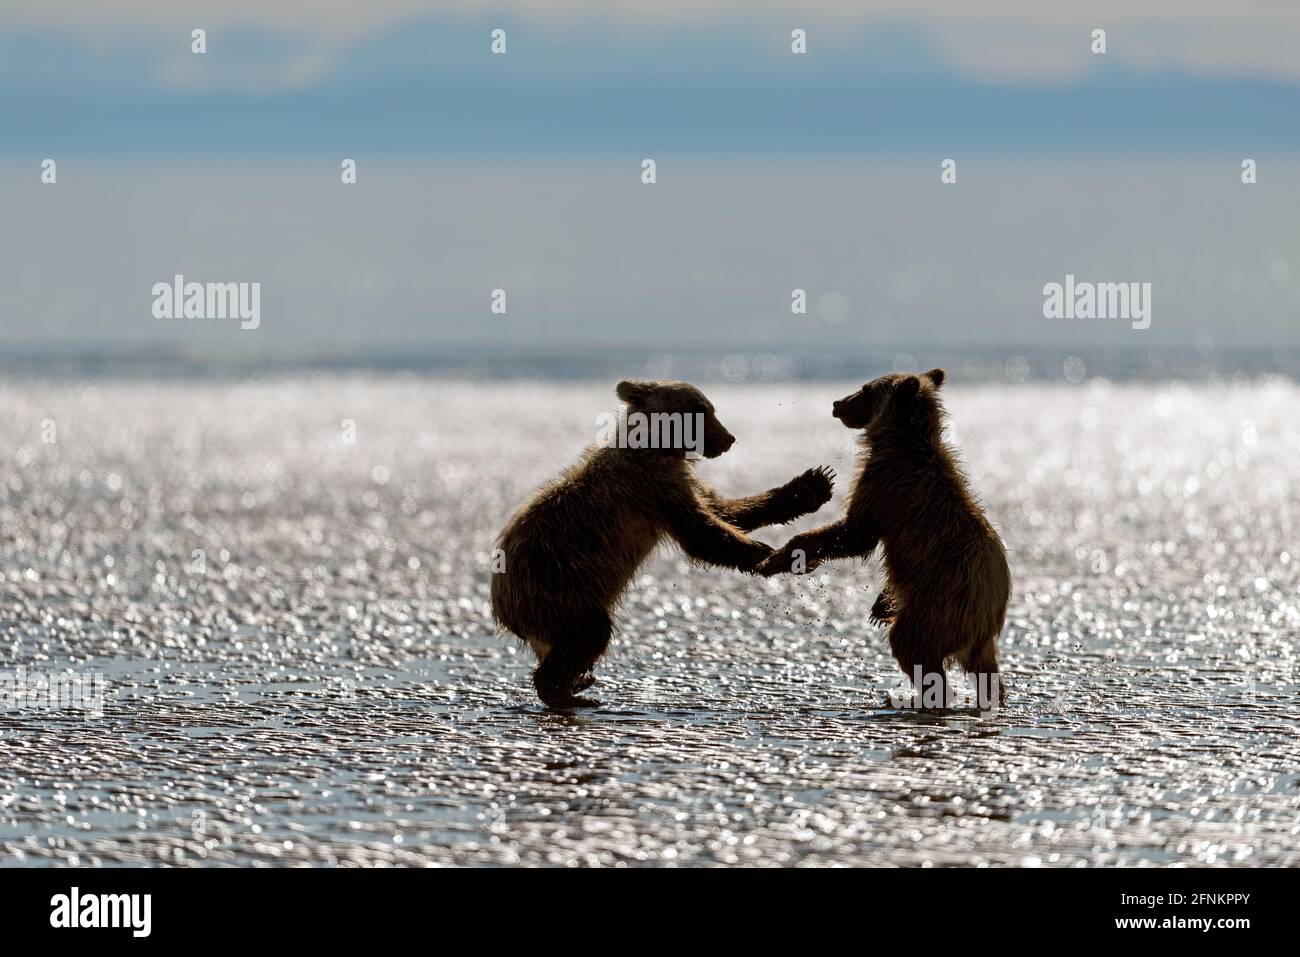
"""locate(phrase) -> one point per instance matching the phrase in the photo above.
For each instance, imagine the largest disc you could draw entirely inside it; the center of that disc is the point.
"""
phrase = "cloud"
(1027, 40)
(249, 71)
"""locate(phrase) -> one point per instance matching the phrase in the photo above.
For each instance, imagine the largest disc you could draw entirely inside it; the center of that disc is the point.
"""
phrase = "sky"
(523, 172)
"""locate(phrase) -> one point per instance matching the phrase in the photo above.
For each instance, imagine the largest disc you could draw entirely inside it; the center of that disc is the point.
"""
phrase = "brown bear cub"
(947, 580)
(569, 552)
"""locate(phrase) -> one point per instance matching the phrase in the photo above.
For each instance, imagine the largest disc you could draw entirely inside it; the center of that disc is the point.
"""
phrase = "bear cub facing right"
(575, 546)
(947, 580)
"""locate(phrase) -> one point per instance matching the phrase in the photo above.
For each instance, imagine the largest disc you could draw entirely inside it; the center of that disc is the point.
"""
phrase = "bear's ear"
(908, 388)
(936, 377)
(632, 391)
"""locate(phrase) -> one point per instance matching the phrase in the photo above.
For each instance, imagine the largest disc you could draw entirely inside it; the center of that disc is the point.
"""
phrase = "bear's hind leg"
(981, 664)
(566, 669)
(907, 640)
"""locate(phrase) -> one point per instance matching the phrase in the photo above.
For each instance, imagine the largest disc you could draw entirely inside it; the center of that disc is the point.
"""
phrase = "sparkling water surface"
(282, 585)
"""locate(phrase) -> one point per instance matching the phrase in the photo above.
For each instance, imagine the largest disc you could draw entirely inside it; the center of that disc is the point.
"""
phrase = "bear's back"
(937, 537)
(589, 528)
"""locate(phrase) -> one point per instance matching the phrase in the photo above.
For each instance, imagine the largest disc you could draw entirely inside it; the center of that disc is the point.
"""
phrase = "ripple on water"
(300, 667)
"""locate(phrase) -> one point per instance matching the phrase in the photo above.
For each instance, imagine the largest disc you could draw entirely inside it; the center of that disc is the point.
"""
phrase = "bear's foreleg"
(707, 538)
(807, 550)
(801, 495)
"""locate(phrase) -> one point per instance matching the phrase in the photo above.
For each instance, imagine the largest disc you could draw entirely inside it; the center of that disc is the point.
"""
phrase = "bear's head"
(678, 399)
(899, 400)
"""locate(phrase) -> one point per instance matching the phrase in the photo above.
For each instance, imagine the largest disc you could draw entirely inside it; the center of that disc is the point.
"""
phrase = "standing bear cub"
(947, 581)
(570, 551)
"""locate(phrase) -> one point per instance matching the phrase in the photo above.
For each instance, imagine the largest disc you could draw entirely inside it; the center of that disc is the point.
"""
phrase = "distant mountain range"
(969, 365)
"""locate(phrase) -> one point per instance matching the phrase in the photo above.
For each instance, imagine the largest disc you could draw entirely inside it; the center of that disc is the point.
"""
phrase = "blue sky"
(429, 87)
(776, 171)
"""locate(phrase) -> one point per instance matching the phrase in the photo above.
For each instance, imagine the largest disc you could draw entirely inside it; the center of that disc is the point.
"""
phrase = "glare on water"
(282, 586)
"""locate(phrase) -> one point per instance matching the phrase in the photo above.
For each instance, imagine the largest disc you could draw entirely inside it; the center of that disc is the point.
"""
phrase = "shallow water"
(299, 667)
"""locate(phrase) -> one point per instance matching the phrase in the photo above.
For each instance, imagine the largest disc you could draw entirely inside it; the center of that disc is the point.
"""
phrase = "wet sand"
(299, 666)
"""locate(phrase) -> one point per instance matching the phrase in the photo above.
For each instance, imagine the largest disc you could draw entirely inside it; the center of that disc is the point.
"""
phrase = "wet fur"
(571, 550)
(947, 580)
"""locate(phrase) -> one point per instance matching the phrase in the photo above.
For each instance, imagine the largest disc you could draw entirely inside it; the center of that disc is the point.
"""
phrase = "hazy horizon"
(521, 172)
